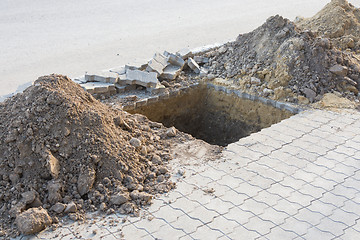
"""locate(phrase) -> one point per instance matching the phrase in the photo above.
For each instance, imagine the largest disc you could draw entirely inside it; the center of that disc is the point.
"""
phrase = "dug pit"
(213, 116)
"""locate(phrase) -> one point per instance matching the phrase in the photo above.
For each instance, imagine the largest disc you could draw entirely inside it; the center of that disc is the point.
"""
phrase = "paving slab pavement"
(298, 179)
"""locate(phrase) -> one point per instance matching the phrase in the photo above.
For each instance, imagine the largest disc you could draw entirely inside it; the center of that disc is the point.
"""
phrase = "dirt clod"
(33, 220)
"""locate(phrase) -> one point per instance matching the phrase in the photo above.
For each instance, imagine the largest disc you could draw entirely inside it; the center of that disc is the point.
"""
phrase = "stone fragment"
(33, 221)
(70, 208)
(85, 181)
(171, 132)
(119, 199)
(105, 77)
(157, 63)
(58, 207)
(99, 87)
(28, 197)
(54, 192)
(156, 159)
(135, 142)
(171, 72)
(339, 70)
(184, 53)
(163, 170)
(175, 60)
(267, 92)
(255, 81)
(200, 59)
(222, 50)
(142, 78)
(193, 65)
(143, 197)
(310, 94)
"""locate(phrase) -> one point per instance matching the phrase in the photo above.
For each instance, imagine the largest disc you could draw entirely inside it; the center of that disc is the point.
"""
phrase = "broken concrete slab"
(184, 53)
(201, 60)
(157, 63)
(104, 76)
(99, 88)
(142, 78)
(193, 65)
(175, 59)
(171, 72)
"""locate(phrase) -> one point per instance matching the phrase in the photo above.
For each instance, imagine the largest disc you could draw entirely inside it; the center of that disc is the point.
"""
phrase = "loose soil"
(64, 151)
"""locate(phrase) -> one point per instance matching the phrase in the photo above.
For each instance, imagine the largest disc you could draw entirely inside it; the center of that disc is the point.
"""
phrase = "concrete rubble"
(163, 67)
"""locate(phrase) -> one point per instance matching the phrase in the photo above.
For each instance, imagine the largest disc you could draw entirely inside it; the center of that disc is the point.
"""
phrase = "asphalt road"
(69, 37)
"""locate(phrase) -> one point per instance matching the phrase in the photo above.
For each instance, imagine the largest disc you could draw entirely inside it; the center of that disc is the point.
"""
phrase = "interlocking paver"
(223, 224)
(305, 215)
(243, 233)
(294, 225)
(259, 225)
(316, 234)
(298, 179)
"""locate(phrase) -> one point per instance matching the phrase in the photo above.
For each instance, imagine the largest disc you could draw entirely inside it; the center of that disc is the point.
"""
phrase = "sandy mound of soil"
(65, 152)
(280, 61)
(339, 21)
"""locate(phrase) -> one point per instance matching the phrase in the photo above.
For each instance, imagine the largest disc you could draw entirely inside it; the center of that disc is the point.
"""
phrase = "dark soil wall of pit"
(213, 116)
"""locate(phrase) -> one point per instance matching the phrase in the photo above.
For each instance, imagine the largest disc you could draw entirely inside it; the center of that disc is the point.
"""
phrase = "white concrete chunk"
(157, 63)
(184, 53)
(193, 65)
(98, 87)
(171, 72)
(104, 76)
(175, 59)
(142, 78)
(200, 59)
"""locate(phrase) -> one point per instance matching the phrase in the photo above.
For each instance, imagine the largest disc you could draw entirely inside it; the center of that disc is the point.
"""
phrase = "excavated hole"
(213, 116)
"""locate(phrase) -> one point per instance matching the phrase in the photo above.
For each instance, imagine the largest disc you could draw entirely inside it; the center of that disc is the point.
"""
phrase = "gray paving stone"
(259, 225)
(276, 217)
(278, 233)
(287, 207)
(167, 232)
(305, 215)
(294, 225)
(219, 206)
(351, 234)
(243, 233)
(131, 232)
(316, 234)
(204, 214)
(349, 219)
(328, 225)
(223, 224)
(238, 215)
(187, 224)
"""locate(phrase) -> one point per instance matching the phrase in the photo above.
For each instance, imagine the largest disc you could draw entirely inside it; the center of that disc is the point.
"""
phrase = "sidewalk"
(298, 179)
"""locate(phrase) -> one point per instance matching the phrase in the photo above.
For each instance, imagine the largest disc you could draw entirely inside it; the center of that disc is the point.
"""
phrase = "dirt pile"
(64, 151)
(339, 21)
(280, 61)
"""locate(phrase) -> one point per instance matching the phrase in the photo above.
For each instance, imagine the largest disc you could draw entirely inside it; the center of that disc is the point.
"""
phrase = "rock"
(255, 81)
(200, 59)
(85, 181)
(28, 197)
(211, 76)
(193, 65)
(163, 170)
(54, 192)
(222, 50)
(70, 208)
(33, 221)
(52, 164)
(142, 196)
(310, 94)
(268, 92)
(119, 199)
(58, 207)
(156, 159)
(171, 132)
(135, 142)
(17, 209)
(303, 100)
(165, 83)
(160, 178)
(103, 207)
(339, 70)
